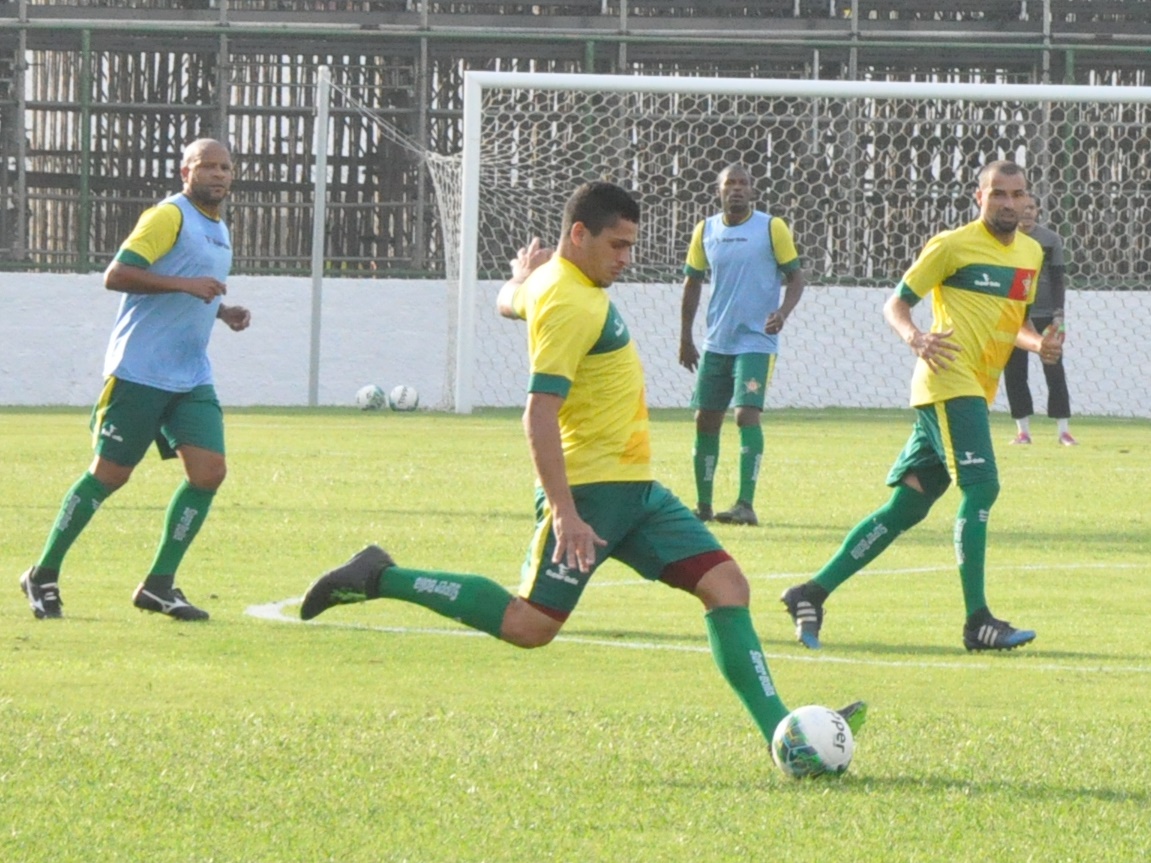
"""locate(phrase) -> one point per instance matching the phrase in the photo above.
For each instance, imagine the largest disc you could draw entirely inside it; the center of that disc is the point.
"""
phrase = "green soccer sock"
(971, 542)
(186, 513)
(750, 456)
(473, 600)
(704, 457)
(80, 504)
(867, 540)
(737, 652)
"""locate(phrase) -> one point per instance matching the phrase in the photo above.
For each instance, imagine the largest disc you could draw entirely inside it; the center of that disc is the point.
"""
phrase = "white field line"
(274, 611)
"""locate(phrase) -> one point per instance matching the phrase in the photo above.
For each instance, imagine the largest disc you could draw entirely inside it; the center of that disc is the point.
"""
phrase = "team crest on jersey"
(1021, 285)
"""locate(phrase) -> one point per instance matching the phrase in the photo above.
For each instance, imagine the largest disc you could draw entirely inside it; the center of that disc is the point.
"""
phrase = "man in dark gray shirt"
(1046, 311)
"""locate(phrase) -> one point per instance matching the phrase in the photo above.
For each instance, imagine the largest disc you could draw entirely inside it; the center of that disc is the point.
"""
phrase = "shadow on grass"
(1030, 791)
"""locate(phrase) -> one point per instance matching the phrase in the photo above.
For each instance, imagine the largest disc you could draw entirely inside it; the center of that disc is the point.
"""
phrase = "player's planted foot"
(855, 714)
(170, 602)
(995, 634)
(741, 513)
(44, 598)
(355, 581)
(704, 512)
(806, 614)
(1065, 439)
(1023, 438)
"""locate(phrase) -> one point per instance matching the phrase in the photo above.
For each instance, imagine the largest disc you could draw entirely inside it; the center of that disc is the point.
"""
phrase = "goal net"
(864, 173)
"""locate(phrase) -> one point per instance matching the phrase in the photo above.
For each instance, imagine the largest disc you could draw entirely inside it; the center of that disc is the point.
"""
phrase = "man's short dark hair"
(599, 205)
(1001, 166)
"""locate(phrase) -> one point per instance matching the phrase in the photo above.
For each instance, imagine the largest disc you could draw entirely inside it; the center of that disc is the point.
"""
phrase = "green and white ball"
(811, 741)
(403, 398)
(370, 398)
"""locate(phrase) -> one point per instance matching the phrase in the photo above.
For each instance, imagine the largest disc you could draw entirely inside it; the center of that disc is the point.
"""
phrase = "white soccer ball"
(812, 740)
(370, 398)
(403, 398)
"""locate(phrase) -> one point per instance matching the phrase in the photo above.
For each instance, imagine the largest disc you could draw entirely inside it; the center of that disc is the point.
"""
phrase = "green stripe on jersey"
(989, 279)
(614, 334)
(555, 385)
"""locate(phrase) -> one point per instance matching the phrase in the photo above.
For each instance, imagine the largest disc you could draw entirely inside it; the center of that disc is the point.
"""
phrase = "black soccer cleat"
(740, 513)
(806, 614)
(855, 714)
(995, 635)
(44, 598)
(355, 581)
(170, 602)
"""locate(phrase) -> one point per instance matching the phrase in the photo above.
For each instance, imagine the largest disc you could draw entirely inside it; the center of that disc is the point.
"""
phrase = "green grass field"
(384, 733)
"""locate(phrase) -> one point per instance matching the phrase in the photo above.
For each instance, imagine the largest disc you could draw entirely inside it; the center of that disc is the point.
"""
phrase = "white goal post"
(864, 172)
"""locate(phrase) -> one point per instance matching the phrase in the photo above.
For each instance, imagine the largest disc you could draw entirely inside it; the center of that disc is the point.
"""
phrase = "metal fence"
(98, 96)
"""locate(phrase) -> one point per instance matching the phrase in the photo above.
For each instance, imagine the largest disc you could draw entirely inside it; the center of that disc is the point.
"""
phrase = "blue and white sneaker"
(806, 614)
(995, 635)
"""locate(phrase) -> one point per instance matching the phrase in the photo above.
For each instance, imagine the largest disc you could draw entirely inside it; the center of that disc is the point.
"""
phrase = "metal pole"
(20, 198)
(319, 214)
(84, 217)
(469, 229)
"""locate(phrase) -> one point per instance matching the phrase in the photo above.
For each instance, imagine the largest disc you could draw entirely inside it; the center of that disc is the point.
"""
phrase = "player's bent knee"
(208, 475)
(109, 474)
(525, 625)
(724, 585)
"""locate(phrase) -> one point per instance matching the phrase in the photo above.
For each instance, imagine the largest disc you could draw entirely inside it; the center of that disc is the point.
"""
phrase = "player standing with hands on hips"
(981, 278)
(172, 271)
(750, 255)
(587, 429)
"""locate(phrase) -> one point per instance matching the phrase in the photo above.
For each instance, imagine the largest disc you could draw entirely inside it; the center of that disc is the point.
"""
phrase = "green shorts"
(645, 526)
(724, 378)
(129, 417)
(951, 441)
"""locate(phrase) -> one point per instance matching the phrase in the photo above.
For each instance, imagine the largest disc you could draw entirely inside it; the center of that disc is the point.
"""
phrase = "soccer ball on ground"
(403, 398)
(370, 398)
(812, 740)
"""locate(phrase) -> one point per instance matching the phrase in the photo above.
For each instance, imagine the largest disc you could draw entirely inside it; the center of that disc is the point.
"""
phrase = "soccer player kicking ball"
(587, 430)
(982, 277)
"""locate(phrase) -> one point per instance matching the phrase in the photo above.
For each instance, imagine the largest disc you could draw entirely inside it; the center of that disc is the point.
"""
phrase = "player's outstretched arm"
(526, 260)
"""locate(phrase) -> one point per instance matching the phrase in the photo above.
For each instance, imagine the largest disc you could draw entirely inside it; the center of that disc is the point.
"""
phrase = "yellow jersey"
(580, 350)
(980, 288)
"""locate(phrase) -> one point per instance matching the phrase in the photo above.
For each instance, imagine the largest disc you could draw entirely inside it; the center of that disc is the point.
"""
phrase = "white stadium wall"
(836, 350)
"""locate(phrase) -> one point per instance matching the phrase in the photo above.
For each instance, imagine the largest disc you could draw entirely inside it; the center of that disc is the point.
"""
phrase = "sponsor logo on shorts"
(970, 458)
(109, 431)
(560, 573)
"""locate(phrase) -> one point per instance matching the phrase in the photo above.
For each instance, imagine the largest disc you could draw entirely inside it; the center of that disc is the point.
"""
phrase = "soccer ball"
(370, 398)
(403, 398)
(812, 740)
